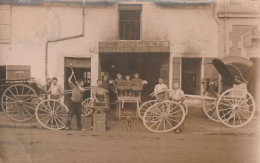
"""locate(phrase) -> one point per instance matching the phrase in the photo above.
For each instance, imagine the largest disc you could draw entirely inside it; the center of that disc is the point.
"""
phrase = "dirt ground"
(202, 141)
(39, 145)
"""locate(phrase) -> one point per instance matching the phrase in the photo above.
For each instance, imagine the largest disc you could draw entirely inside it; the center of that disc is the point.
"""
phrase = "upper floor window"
(129, 22)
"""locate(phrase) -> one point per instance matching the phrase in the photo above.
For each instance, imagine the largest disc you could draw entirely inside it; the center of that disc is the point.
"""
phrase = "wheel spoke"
(243, 115)
(225, 104)
(158, 125)
(60, 121)
(239, 117)
(48, 121)
(226, 114)
(61, 117)
(176, 112)
(29, 106)
(57, 108)
(172, 120)
(8, 97)
(154, 124)
(56, 122)
(27, 111)
(41, 109)
(12, 94)
(45, 118)
(169, 123)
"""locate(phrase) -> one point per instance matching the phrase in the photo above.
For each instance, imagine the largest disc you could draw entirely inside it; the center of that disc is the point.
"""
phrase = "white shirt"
(176, 95)
(160, 87)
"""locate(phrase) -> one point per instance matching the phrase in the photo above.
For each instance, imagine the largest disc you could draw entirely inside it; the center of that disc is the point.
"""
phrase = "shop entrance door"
(81, 67)
(191, 75)
(150, 66)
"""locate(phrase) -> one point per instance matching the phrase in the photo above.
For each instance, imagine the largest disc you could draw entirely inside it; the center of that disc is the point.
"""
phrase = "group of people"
(127, 86)
(100, 93)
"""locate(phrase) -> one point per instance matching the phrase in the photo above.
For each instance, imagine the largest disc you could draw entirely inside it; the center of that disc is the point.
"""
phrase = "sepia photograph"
(130, 81)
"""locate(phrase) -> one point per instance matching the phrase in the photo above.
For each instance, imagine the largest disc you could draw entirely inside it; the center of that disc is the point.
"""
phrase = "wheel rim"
(185, 107)
(209, 108)
(19, 102)
(235, 108)
(52, 114)
(86, 110)
(144, 107)
(164, 116)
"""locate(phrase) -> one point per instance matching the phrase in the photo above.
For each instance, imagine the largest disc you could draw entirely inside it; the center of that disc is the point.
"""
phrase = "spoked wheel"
(144, 107)
(52, 114)
(235, 108)
(209, 108)
(164, 116)
(86, 107)
(19, 102)
(185, 107)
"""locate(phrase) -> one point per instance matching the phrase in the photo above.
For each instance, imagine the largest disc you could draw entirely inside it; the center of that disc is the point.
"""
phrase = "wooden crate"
(99, 122)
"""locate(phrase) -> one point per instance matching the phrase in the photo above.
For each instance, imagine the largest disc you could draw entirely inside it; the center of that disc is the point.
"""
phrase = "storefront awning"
(134, 47)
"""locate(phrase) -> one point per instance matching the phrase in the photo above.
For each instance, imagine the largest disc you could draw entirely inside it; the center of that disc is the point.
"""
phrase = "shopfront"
(148, 58)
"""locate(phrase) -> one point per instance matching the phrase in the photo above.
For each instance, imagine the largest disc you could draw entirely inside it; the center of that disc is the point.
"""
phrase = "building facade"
(169, 39)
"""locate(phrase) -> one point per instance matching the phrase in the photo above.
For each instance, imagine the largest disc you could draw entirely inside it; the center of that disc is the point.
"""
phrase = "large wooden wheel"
(142, 109)
(164, 116)
(209, 107)
(52, 114)
(19, 102)
(235, 107)
(185, 107)
(86, 107)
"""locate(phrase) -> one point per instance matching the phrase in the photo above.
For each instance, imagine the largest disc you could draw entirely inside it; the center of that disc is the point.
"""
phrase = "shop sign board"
(134, 47)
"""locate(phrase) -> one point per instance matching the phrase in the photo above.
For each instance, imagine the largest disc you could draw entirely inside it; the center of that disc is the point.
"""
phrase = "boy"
(177, 95)
(76, 99)
(159, 87)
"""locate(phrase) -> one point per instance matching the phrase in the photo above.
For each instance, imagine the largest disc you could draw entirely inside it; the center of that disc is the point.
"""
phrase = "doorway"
(191, 75)
(81, 67)
(150, 66)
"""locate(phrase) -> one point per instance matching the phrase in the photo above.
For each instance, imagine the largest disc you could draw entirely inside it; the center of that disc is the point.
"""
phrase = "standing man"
(76, 99)
(159, 87)
(55, 89)
(177, 95)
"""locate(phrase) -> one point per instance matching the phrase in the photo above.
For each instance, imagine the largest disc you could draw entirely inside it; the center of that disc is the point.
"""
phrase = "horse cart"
(24, 99)
(234, 107)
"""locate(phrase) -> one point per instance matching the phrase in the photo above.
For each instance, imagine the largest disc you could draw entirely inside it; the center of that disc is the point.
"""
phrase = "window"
(5, 23)
(129, 22)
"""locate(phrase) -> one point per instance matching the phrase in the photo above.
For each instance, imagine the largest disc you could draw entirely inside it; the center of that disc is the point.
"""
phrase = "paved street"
(201, 141)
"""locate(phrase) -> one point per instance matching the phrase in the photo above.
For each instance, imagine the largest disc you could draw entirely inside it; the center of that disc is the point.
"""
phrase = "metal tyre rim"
(235, 108)
(52, 114)
(19, 102)
(142, 109)
(86, 110)
(164, 117)
(209, 108)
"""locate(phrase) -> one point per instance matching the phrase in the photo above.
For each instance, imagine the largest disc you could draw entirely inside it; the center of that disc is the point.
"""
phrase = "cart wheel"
(235, 108)
(144, 107)
(52, 114)
(86, 110)
(164, 116)
(209, 108)
(19, 102)
(185, 107)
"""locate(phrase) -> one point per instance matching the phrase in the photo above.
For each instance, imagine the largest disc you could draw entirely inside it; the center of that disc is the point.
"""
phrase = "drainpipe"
(63, 39)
